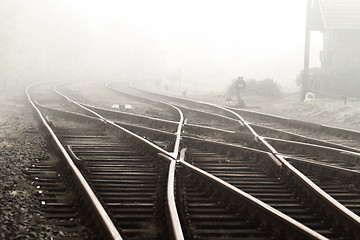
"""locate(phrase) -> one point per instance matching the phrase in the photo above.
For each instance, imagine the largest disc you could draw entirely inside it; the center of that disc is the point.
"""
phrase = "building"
(339, 21)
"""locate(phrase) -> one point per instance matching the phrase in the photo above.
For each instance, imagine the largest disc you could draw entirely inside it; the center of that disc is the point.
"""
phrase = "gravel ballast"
(21, 142)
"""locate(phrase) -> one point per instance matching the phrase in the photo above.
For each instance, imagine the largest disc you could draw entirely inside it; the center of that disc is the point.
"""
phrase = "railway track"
(272, 126)
(344, 161)
(129, 184)
(287, 143)
(63, 213)
(230, 183)
(273, 186)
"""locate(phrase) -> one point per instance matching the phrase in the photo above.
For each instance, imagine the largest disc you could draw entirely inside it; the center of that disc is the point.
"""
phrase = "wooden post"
(305, 80)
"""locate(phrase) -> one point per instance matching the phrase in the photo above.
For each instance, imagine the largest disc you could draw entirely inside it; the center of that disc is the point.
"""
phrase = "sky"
(255, 39)
(197, 42)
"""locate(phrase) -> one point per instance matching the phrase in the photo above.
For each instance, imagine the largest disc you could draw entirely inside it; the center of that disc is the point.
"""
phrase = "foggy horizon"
(202, 43)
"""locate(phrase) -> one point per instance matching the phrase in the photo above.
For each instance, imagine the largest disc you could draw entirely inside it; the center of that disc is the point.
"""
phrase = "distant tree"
(266, 87)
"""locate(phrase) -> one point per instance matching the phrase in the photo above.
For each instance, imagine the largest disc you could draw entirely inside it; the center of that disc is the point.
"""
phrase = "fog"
(200, 43)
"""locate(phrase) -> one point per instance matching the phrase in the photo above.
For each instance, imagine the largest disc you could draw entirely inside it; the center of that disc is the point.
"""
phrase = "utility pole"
(305, 79)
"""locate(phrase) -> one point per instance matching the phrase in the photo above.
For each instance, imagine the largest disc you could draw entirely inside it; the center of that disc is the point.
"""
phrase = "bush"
(266, 87)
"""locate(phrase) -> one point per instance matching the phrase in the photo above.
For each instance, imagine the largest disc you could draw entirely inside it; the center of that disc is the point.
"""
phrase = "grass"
(53, 161)
(150, 230)
(67, 197)
(25, 188)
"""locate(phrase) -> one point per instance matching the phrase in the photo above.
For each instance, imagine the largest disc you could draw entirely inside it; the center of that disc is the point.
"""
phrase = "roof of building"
(338, 14)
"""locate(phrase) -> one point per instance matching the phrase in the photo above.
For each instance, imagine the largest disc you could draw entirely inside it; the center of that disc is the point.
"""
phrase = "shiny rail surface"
(74, 148)
(206, 187)
(340, 137)
(103, 218)
(289, 226)
(325, 199)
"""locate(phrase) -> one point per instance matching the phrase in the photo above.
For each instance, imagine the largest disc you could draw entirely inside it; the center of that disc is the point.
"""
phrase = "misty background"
(203, 44)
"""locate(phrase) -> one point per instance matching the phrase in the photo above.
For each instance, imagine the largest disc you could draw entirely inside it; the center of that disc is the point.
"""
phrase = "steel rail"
(343, 211)
(130, 114)
(284, 119)
(59, 112)
(306, 181)
(114, 124)
(170, 187)
(291, 223)
(323, 165)
(273, 159)
(128, 125)
(189, 125)
(177, 230)
(311, 125)
(312, 234)
(174, 216)
(107, 85)
(327, 149)
(185, 125)
(107, 224)
(172, 97)
(212, 114)
(195, 101)
(177, 133)
(170, 106)
(331, 203)
(330, 145)
(240, 120)
(175, 152)
(305, 138)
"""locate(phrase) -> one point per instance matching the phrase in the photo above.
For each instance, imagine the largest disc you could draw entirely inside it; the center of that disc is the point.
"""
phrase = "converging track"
(169, 168)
